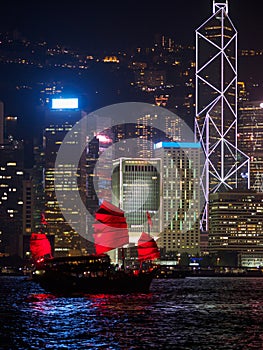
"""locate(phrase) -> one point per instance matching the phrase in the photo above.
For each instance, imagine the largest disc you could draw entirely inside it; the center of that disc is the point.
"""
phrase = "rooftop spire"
(217, 5)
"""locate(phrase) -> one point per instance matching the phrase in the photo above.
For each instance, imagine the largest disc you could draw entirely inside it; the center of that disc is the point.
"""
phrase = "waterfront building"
(98, 168)
(236, 222)
(216, 105)
(16, 199)
(59, 120)
(250, 140)
(28, 209)
(180, 231)
(250, 260)
(37, 177)
(136, 188)
(11, 197)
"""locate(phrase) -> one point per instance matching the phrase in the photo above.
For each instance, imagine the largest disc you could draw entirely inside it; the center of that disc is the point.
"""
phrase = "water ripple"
(190, 313)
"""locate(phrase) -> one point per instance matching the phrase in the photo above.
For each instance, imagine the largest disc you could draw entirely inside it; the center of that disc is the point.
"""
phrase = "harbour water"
(181, 314)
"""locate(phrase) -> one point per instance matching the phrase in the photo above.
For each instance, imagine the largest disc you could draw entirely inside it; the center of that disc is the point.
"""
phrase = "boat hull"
(91, 274)
(118, 283)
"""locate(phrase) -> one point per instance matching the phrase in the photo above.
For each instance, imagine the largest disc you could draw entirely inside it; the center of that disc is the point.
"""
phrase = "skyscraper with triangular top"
(216, 105)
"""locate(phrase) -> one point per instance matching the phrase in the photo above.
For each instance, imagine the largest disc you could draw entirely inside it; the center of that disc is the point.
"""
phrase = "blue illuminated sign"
(65, 103)
(177, 145)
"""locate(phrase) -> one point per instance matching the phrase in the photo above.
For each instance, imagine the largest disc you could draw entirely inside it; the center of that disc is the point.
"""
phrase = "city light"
(65, 103)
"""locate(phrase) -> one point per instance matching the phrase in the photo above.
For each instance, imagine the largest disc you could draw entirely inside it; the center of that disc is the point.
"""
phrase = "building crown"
(220, 5)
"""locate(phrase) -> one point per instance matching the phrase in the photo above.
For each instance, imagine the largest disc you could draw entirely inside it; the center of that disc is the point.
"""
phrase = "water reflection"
(192, 313)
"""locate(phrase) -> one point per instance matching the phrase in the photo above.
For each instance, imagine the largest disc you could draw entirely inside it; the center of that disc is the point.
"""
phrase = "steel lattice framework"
(216, 105)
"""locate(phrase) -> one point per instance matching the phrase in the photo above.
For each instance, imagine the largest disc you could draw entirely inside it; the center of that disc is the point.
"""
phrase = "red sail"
(39, 246)
(111, 209)
(111, 219)
(147, 248)
(110, 228)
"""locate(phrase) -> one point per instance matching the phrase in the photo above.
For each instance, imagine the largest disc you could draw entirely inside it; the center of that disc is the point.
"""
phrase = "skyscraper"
(136, 188)
(180, 208)
(236, 222)
(11, 197)
(250, 140)
(28, 209)
(216, 104)
(59, 121)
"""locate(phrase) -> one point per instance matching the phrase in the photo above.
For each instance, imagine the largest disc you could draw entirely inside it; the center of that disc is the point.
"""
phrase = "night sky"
(94, 25)
(118, 24)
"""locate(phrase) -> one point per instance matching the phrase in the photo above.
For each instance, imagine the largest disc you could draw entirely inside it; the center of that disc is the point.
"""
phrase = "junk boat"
(95, 273)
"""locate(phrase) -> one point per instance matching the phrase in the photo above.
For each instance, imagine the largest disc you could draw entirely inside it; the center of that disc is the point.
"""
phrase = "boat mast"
(149, 220)
(123, 256)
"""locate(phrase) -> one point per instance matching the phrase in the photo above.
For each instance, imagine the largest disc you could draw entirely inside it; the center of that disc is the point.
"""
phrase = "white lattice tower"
(216, 105)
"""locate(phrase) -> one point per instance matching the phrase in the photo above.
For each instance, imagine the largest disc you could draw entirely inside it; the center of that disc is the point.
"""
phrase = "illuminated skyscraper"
(59, 121)
(236, 222)
(250, 140)
(216, 105)
(28, 209)
(146, 132)
(11, 197)
(136, 187)
(180, 231)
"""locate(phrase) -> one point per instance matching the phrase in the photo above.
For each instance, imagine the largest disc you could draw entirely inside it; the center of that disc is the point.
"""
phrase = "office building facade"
(11, 198)
(180, 231)
(58, 122)
(250, 140)
(236, 222)
(136, 189)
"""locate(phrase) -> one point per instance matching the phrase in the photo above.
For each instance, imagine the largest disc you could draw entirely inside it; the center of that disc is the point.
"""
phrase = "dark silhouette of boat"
(95, 273)
(90, 274)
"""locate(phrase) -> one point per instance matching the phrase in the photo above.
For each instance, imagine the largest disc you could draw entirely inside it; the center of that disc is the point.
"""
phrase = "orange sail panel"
(110, 228)
(147, 248)
(39, 246)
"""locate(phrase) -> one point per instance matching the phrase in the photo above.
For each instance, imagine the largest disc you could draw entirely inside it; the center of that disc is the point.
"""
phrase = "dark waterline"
(190, 313)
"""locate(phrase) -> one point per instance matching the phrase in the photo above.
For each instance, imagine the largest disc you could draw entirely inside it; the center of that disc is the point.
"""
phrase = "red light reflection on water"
(39, 297)
(100, 300)
(42, 302)
(119, 302)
